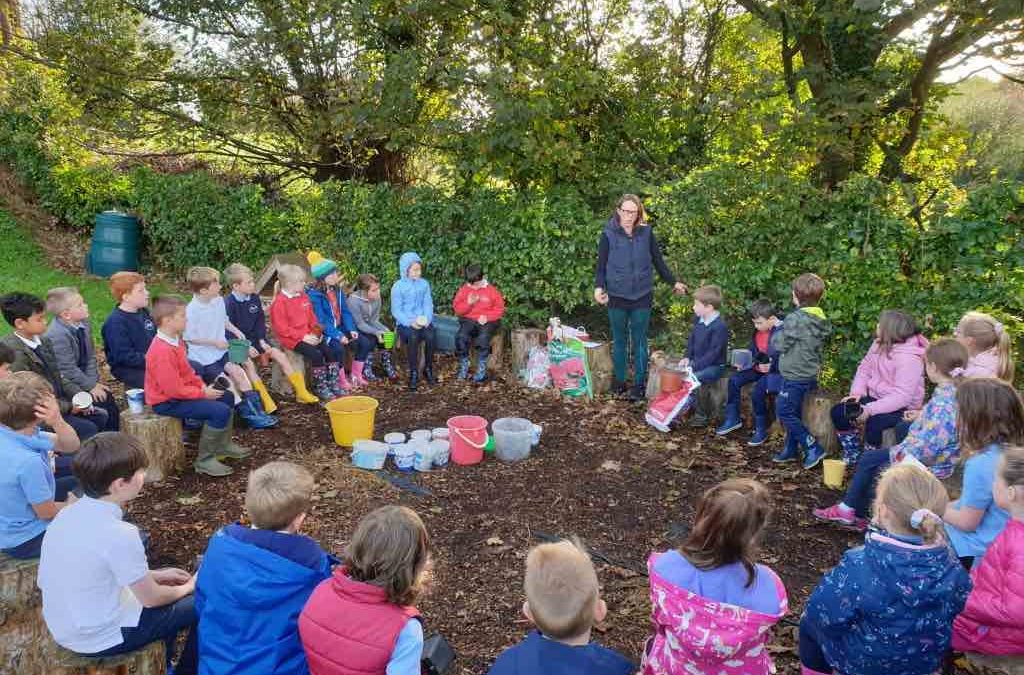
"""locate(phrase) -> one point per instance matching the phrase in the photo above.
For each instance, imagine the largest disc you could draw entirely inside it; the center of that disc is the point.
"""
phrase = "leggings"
(320, 354)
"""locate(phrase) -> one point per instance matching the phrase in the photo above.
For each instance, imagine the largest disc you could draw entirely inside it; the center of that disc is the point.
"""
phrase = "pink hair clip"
(957, 372)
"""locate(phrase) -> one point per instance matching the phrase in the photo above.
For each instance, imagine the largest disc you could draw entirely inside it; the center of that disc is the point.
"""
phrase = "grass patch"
(23, 267)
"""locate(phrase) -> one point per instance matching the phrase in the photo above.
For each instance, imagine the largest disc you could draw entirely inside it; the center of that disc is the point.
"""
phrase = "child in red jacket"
(174, 389)
(362, 619)
(293, 321)
(479, 307)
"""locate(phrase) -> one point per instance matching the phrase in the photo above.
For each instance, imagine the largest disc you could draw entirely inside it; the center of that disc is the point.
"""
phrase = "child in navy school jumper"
(254, 580)
(712, 603)
(33, 352)
(888, 606)
(245, 312)
(800, 343)
(706, 348)
(174, 389)
(563, 601)
(128, 330)
(763, 373)
(30, 494)
(332, 314)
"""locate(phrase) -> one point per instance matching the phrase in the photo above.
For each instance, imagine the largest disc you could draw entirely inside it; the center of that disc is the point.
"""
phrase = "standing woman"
(627, 257)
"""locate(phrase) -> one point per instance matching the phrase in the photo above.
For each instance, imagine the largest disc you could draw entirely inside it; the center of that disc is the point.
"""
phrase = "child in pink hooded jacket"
(991, 626)
(712, 606)
(888, 383)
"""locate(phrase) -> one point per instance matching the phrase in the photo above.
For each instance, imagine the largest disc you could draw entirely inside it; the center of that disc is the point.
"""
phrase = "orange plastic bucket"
(468, 436)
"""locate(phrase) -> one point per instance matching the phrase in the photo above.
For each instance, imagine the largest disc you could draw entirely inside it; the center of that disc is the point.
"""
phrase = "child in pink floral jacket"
(713, 606)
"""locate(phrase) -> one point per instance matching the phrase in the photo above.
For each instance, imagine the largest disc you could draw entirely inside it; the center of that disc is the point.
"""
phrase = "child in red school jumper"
(479, 306)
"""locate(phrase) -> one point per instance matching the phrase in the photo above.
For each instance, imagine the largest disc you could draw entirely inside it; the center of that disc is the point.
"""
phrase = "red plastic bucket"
(468, 436)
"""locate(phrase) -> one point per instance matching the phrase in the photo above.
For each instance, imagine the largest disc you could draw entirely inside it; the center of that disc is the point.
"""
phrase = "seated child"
(888, 383)
(6, 359)
(174, 389)
(294, 324)
(991, 626)
(888, 606)
(932, 440)
(245, 312)
(412, 306)
(800, 344)
(563, 601)
(99, 596)
(128, 330)
(763, 374)
(30, 495)
(988, 344)
(364, 305)
(990, 416)
(713, 605)
(205, 331)
(71, 337)
(34, 352)
(254, 581)
(362, 618)
(332, 314)
(479, 306)
(706, 348)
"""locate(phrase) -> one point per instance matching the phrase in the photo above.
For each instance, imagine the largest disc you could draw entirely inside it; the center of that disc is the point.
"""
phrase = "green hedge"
(749, 232)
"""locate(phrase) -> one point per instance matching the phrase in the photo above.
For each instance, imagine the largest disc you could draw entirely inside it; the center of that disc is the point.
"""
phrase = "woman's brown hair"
(390, 549)
(894, 327)
(641, 214)
(728, 525)
(988, 411)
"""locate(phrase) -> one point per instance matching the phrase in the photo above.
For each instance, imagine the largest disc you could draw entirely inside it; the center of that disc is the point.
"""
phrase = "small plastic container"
(424, 458)
(513, 437)
(369, 454)
(393, 440)
(439, 434)
(421, 435)
(440, 451)
(405, 456)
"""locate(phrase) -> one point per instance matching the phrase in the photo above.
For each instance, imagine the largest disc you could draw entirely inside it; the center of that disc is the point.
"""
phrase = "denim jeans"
(629, 325)
(789, 406)
(758, 395)
(861, 493)
(875, 425)
(163, 623)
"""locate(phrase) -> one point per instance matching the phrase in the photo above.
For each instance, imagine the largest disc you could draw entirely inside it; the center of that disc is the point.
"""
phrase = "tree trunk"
(599, 360)
(161, 437)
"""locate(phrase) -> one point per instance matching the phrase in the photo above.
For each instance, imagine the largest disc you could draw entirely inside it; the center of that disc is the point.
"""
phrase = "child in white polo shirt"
(111, 603)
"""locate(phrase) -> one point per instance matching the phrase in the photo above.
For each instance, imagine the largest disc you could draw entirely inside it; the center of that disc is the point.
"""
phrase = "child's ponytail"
(949, 357)
(988, 333)
(915, 500)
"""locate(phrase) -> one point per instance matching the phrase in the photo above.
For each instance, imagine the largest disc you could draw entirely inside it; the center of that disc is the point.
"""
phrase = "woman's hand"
(600, 296)
(679, 288)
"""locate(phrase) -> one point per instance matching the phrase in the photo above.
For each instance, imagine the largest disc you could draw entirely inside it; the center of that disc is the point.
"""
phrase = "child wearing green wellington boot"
(174, 389)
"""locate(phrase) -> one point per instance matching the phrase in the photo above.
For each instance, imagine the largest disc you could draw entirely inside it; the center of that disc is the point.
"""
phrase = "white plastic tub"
(513, 437)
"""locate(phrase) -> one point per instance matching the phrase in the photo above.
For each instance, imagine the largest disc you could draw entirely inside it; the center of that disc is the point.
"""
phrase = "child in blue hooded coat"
(332, 313)
(413, 308)
(888, 606)
(254, 581)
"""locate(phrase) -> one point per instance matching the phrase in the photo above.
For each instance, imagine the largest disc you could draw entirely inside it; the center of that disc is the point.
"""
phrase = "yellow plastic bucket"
(352, 419)
(834, 470)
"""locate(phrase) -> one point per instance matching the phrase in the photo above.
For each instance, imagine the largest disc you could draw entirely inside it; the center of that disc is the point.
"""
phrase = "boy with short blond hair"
(800, 344)
(71, 337)
(706, 348)
(245, 312)
(174, 389)
(129, 329)
(206, 330)
(268, 565)
(563, 601)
